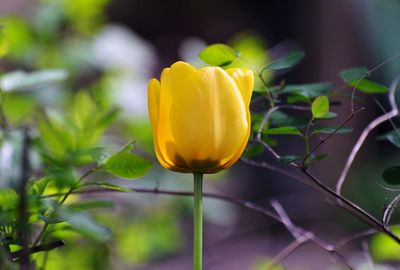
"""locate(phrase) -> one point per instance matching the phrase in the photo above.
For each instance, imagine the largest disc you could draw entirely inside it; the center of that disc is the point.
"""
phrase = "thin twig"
(372, 125)
(355, 236)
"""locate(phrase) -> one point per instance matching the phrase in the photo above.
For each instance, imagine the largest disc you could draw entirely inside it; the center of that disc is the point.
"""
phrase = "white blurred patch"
(133, 59)
(189, 51)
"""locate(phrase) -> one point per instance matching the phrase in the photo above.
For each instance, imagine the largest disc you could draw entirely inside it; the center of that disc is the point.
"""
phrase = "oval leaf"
(283, 131)
(320, 107)
(287, 61)
(392, 175)
(126, 165)
(331, 129)
(355, 77)
(353, 74)
(218, 55)
(369, 87)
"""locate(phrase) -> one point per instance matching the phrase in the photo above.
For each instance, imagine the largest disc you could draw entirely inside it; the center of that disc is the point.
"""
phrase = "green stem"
(198, 222)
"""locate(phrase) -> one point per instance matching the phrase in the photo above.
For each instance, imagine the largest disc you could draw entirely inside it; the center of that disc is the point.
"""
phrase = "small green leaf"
(289, 158)
(320, 107)
(297, 98)
(392, 175)
(218, 55)
(353, 74)
(330, 115)
(318, 157)
(331, 129)
(85, 225)
(281, 119)
(369, 87)
(126, 165)
(113, 187)
(287, 61)
(253, 150)
(283, 131)
(392, 136)
(309, 90)
(355, 77)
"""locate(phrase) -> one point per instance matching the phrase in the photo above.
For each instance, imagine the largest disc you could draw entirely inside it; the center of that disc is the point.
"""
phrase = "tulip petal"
(164, 143)
(244, 79)
(153, 92)
(207, 118)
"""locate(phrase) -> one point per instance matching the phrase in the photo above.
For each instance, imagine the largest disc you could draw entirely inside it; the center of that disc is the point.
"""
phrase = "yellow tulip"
(200, 117)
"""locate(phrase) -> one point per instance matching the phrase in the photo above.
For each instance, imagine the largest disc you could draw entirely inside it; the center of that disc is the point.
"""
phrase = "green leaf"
(331, 129)
(85, 225)
(310, 90)
(320, 107)
(287, 61)
(297, 98)
(355, 77)
(392, 136)
(253, 150)
(113, 187)
(24, 81)
(353, 74)
(283, 131)
(289, 158)
(369, 87)
(218, 55)
(318, 157)
(281, 119)
(126, 165)
(392, 175)
(330, 115)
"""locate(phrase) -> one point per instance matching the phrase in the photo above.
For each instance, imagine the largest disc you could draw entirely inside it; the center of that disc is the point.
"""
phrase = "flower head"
(200, 117)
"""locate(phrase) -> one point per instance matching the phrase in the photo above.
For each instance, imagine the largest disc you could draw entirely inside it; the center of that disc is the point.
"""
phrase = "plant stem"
(198, 222)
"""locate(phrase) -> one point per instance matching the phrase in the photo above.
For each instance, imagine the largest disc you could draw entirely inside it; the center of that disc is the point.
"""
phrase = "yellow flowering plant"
(201, 124)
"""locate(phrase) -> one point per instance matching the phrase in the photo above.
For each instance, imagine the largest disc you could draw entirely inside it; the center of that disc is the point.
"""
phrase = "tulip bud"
(200, 117)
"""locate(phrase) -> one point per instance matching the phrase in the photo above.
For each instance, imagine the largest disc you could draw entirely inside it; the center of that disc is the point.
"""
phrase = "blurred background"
(111, 48)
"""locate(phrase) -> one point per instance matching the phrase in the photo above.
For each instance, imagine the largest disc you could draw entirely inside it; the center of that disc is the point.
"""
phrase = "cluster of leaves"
(315, 101)
(63, 144)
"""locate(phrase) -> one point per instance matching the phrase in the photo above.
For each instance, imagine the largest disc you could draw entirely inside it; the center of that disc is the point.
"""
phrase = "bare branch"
(353, 237)
(288, 223)
(372, 125)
